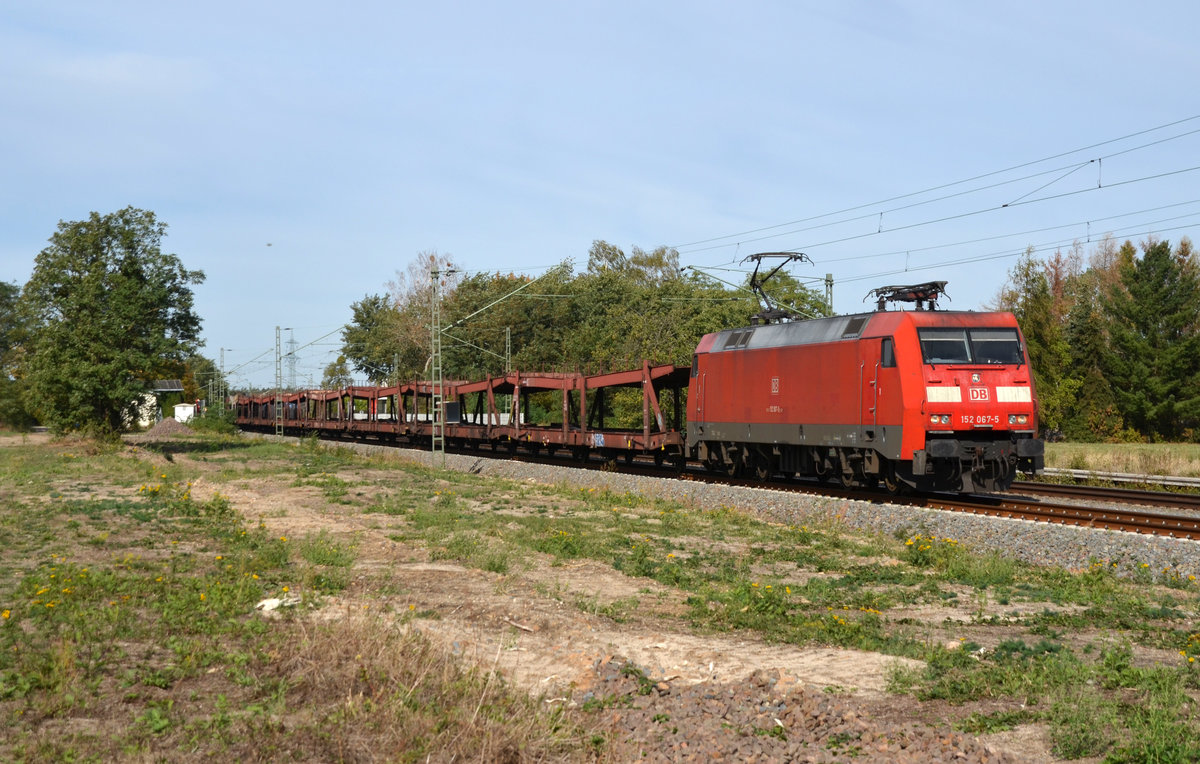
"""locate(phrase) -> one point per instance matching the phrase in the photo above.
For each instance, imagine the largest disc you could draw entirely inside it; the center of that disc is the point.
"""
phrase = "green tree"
(337, 375)
(13, 335)
(369, 341)
(1030, 294)
(108, 313)
(1153, 360)
(1094, 416)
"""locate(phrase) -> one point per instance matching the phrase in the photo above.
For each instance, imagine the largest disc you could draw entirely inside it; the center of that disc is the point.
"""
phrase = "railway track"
(1105, 493)
(1109, 518)
(1010, 506)
(1026, 504)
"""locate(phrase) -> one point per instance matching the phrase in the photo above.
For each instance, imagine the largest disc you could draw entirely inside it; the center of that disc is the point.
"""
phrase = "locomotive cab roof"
(845, 328)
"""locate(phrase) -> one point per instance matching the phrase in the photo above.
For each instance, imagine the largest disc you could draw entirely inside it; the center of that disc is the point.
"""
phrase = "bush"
(215, 420)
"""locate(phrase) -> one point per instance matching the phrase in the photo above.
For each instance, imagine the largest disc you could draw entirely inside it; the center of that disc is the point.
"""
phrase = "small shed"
(184, 412)
(149, 409)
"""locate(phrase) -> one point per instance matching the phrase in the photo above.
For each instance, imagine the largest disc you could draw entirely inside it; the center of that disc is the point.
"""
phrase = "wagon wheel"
(629, 454)
(659, 457)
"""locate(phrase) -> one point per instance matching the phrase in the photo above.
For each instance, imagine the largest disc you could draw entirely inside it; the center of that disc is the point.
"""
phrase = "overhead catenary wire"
(980, 240)
(1034, 249)
(963, 215)
(932, 189)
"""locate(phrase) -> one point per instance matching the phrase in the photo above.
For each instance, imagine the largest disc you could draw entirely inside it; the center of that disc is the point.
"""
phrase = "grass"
(128, 631)
(1180, 459)
(129, 602)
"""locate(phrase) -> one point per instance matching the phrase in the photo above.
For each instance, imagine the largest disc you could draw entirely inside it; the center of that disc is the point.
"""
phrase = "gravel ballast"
(1070, 547)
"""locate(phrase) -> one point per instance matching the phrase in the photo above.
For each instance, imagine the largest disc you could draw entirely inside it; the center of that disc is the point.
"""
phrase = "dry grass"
(1181, 459)
(378, 691)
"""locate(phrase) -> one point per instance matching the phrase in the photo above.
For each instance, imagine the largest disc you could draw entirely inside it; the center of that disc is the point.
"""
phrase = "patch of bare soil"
(24, 438)
(555, 629)
(164, 429)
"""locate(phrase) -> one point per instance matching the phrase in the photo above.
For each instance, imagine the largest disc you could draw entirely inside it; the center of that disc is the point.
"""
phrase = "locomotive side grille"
(738, 339)
(854, 326)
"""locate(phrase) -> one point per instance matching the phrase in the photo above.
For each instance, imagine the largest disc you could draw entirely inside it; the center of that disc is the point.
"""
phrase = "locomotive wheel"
(821, 470)
(762, 468)
(847, 480)
(891, 482)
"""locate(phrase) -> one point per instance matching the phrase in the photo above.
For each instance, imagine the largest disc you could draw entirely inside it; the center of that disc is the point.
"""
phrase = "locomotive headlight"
(945, 419)
(939, 419)
(1017, 418)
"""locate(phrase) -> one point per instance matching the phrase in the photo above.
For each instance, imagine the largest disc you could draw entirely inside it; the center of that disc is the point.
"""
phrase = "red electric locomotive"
(929, 399)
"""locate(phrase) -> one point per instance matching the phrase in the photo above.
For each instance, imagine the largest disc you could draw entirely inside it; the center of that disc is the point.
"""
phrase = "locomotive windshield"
(970, 346)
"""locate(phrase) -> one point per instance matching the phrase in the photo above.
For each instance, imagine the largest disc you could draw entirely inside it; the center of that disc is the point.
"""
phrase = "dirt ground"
(544, 624)
(539, 623)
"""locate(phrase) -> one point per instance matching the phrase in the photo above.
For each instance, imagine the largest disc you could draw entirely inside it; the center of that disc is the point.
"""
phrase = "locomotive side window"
(996, 346)
(944, 345)
(887, 354)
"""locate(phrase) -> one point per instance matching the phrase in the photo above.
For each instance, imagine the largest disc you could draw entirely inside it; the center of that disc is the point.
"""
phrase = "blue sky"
(512, 135)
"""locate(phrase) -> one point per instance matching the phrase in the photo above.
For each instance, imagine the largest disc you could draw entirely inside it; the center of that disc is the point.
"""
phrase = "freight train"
(923, 399)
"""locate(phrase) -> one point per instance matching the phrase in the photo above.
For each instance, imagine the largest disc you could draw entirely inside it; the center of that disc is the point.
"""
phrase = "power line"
(1046, 247)
(952, 184)
(974, 213)
(1092, 221)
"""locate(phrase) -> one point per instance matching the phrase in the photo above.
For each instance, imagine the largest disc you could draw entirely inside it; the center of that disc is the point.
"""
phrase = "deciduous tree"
(108, 313)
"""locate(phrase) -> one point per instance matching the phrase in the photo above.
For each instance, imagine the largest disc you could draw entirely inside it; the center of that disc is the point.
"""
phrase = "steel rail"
(995, 505)
(1106, 493)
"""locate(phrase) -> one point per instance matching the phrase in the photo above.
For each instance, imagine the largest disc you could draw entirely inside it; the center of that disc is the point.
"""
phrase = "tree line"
(620, 309)
(1113, 334)
(1113, 338)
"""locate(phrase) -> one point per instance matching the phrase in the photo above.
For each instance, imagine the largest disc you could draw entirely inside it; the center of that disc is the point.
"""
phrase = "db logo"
(774, 385)
(979, 394)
